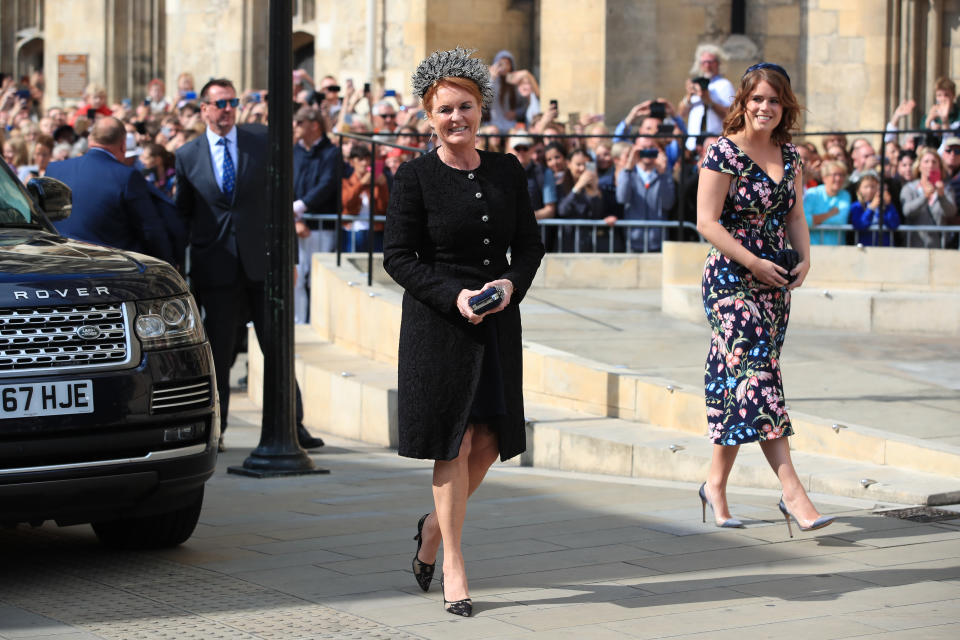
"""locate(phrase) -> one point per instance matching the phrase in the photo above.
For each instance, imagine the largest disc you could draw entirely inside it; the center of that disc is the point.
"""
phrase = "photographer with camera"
(655, 116)
(709, 95)
(645, 187)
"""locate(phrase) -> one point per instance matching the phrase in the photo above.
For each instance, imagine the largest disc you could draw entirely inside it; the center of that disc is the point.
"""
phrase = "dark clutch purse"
(486, 300)
(786, 258)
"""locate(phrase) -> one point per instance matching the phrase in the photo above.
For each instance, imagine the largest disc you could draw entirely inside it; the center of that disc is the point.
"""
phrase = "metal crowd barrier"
(904, 233)
(565, 227)
(615, 241)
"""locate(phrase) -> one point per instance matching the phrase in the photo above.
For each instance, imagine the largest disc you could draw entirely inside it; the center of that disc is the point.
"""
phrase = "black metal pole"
(279, 452)
(371, 210)
(338, 226)
(878, 239)
(681, 188)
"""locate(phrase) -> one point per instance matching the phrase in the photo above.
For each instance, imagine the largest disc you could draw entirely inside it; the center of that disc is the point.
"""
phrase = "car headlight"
(171, 322)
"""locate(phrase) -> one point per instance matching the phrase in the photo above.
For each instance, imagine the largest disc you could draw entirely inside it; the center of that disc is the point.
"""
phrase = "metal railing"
(616, 243)
(903, 232)
(618, 239)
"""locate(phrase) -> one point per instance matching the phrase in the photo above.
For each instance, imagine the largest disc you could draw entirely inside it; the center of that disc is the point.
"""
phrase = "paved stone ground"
(550, 555)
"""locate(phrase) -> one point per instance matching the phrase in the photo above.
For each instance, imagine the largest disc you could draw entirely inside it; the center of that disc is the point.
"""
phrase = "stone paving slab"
(550, 555)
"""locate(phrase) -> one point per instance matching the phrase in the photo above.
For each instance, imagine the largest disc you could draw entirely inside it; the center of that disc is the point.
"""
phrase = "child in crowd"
(865, 212)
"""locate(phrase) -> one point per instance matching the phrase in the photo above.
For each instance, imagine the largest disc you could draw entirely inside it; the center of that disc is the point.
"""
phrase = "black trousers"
(226, 310)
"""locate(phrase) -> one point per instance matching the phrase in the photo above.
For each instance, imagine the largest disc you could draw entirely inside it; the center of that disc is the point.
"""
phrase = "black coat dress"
(449, 230)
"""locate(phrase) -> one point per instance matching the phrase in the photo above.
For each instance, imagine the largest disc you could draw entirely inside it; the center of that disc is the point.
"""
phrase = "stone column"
(934, 44)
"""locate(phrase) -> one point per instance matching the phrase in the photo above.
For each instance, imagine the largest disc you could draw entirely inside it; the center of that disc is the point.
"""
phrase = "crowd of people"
(643, 169)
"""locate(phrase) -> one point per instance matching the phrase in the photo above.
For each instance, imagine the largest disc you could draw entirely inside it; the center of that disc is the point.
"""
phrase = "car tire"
(156, 531)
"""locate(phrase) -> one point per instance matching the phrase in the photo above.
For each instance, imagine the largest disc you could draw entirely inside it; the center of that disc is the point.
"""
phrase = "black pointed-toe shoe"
(462, 608)
(422, 571)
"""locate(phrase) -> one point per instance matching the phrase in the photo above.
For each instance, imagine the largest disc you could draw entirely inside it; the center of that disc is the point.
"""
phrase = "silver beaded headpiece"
(453, 63)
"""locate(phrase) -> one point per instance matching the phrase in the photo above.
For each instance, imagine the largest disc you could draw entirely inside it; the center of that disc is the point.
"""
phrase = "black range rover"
(108, 408)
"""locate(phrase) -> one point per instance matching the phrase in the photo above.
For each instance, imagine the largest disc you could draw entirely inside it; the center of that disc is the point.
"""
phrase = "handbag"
(786, 258)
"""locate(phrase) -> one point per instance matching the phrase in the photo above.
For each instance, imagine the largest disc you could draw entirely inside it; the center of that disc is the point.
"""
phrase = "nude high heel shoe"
(819, 523)
(730, 523)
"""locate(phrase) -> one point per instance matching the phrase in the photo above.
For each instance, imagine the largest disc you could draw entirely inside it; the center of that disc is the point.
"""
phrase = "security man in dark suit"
(111, 201)
(222, 197)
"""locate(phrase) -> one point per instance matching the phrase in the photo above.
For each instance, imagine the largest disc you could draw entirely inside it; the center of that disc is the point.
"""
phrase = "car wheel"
(156, 531)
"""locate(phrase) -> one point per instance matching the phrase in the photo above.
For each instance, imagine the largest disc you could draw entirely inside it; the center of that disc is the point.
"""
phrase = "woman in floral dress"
(747, 207)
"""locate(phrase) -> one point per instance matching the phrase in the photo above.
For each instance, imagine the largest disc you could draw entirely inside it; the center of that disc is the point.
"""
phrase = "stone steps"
(559, 379)
(353, 396)
(572, 441)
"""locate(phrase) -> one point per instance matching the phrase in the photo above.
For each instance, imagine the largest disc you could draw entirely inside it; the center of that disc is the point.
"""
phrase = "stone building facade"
(852, 61)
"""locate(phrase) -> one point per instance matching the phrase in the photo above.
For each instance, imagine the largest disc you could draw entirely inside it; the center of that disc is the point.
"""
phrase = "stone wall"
(409, 30)
(66, 32)
(846, 70)
(645, 50)
(572, 55)
(208, 39)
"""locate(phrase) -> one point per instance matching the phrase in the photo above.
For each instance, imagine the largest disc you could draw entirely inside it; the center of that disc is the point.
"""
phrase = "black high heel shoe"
(456, 607)
(422, 571)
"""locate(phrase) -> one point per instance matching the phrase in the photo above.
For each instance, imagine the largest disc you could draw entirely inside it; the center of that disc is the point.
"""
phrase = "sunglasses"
(521, 147)
(223, 102)
(389, 116)
(952, 150)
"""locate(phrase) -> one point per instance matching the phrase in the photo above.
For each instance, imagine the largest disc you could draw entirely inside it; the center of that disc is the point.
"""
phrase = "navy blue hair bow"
(768, 65)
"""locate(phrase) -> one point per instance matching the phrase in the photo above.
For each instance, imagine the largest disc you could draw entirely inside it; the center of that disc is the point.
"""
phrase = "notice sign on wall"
(71, 74)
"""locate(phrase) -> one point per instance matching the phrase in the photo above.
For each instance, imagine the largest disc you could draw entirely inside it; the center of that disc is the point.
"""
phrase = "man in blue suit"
(111, 201)
(222, 198)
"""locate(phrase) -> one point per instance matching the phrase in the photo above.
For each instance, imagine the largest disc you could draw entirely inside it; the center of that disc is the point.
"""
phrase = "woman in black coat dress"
(453, 215)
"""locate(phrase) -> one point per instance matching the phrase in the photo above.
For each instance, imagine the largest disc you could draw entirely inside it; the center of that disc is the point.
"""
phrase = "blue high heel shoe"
(819, 523)
(731, 523)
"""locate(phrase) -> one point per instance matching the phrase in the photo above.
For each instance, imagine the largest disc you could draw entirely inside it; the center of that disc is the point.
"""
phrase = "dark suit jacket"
(111, 205)
(315, 177)
(176, 231)
(226, 234)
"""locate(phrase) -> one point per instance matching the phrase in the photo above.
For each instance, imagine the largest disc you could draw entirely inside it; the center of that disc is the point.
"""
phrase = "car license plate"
(46, 399)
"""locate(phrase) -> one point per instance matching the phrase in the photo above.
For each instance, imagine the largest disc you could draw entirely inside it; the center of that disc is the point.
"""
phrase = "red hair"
(461, 83)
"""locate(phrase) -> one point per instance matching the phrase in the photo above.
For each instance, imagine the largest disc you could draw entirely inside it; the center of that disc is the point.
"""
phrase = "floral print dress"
(742, 383)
